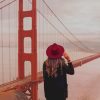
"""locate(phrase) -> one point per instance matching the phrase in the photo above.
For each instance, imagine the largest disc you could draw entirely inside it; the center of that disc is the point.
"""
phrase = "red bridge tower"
(22, 34)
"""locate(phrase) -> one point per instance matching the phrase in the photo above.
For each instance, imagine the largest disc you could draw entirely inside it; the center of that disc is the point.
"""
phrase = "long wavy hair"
(52, 65)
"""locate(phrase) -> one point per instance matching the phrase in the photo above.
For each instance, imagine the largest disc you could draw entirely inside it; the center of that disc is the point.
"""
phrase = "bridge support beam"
(22, 34)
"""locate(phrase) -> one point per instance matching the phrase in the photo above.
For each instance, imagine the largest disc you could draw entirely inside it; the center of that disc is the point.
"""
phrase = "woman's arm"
(69, 68)
(45, 79)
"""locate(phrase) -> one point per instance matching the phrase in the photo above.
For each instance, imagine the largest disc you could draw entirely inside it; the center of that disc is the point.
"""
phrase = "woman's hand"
(66, 56)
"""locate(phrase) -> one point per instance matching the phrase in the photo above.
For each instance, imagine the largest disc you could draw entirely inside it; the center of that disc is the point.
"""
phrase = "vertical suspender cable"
(2, 46)
(16, 37)
(14, 46)
(39, 37)
(44, 30)
(2, 41)
(9, 43)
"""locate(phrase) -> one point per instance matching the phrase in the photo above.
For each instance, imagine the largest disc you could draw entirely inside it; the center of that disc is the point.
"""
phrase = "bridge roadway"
(17, 83)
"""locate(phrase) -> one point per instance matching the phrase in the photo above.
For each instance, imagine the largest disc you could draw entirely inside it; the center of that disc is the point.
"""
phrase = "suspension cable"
(65, 26)
(2, 1)
(7, 4)
(58, 30)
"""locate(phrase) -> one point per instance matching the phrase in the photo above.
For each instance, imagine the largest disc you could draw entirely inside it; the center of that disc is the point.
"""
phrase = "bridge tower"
(22, 34)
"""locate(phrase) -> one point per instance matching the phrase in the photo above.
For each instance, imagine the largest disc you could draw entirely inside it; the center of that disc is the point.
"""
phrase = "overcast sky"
(79, 16)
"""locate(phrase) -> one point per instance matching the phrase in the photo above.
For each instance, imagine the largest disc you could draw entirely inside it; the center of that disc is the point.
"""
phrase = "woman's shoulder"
(45, 62)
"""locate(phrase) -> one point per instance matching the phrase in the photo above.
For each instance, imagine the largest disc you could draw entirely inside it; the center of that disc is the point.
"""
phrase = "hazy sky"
(80, 16)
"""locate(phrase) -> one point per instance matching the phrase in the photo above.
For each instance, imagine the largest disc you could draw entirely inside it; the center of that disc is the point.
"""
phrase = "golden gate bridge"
(27, 27)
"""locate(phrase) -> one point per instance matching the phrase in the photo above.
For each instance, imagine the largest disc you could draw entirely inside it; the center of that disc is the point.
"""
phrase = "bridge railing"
(19, 83)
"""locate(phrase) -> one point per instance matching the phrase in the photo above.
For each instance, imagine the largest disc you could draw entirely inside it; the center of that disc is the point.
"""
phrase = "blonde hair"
(52, 65)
